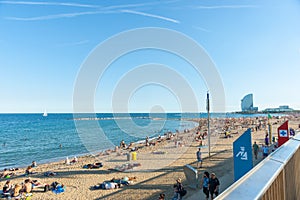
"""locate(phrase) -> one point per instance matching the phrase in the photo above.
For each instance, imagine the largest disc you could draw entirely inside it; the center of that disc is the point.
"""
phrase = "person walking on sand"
(213, 185)
(199, 158)
(205, 184)
(255, 150)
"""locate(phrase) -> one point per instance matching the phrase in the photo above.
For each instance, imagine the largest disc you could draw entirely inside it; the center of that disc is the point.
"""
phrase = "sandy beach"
(157, 167)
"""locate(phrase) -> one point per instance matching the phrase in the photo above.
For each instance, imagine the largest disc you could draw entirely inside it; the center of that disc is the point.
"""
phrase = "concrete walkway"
(226, 180)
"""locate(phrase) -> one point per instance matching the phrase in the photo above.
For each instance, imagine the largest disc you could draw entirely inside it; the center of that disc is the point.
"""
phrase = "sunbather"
(75, 160)
(6, 173)
(49, 173)
(57, 187)
(8, 187)
(93, 166)
(27, 187)
(29, 170)
(17, 190)
(111, 185)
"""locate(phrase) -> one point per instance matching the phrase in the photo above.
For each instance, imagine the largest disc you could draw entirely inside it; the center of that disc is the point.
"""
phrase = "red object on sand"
(283, 133)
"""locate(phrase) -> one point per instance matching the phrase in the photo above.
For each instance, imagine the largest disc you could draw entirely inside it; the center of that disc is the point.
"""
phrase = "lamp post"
(208, 121)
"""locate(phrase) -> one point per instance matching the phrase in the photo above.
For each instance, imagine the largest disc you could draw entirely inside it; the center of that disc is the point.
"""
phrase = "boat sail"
(45, 114)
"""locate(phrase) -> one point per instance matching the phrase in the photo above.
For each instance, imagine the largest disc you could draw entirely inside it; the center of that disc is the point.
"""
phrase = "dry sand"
(160, 166)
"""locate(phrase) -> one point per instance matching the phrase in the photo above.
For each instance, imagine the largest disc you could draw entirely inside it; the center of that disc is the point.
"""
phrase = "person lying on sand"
(6, 174)
(93, 166)
(107, 185)
(36, 183)
(57, 187)
(111, 185)
(124, 180)
(49, 173)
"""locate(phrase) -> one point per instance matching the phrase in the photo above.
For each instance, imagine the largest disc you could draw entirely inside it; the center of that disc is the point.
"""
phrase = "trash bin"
(128, 157)
(134, 155)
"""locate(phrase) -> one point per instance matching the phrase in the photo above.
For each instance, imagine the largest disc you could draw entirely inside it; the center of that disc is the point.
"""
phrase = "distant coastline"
(268, 112)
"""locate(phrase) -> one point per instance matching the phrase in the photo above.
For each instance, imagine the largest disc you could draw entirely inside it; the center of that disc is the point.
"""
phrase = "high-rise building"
(247, 104)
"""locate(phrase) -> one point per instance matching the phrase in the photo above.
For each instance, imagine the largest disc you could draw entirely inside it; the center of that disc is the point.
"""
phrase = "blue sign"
(242, 155)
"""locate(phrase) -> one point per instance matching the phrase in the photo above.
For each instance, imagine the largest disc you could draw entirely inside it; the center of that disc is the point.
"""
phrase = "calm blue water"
(28, 137)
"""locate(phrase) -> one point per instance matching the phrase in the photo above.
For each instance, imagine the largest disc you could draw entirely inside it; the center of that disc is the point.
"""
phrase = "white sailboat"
(45, 113)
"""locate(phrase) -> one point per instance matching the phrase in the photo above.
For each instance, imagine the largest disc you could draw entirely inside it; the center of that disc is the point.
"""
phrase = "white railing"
(273, 178)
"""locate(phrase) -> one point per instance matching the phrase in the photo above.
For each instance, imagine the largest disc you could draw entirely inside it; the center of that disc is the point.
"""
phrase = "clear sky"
(255, 46)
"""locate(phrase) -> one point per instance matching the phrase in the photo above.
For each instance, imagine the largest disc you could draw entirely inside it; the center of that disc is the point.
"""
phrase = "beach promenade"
(156, 168)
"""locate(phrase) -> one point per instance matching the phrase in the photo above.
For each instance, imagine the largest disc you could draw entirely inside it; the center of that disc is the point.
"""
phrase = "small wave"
(107, 118)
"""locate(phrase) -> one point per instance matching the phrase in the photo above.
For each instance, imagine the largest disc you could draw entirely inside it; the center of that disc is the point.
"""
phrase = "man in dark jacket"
(213, 185)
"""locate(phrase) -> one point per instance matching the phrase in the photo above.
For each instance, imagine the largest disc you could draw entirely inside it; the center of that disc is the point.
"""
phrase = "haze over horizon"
(254, 45)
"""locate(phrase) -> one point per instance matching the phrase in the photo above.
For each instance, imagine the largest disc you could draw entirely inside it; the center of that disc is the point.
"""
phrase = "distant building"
(247, 104)
(280, 109)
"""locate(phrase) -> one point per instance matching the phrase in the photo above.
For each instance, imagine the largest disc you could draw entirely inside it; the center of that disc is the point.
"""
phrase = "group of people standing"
(210, 182)
(210, 185)
(265, 148)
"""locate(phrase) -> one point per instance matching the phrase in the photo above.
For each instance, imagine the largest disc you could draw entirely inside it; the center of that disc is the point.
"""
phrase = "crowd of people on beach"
(210, 182)
(25, 188)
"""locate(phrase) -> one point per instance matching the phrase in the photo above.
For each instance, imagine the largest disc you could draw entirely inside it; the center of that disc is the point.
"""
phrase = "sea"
(34, 137)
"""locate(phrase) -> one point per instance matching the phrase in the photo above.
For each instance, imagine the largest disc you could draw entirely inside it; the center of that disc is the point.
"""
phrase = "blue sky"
(255, 46)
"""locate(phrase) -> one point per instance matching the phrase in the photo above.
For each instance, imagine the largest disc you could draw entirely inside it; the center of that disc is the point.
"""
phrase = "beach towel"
(124, 167)
(159, 152)
(59, 189)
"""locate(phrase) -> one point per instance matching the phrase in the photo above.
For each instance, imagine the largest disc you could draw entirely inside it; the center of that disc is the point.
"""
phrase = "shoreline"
(62, 158)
